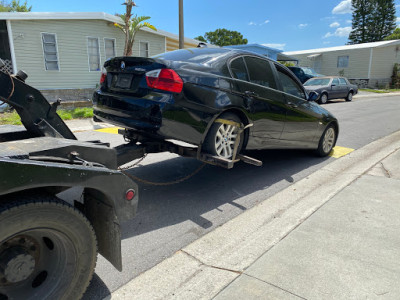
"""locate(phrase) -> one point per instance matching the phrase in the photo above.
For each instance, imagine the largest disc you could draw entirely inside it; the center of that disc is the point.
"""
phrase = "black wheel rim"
(36, 262)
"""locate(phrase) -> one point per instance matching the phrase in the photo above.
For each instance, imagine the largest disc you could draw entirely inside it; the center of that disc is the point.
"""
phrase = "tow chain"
(12, 90)
(133, 165)
(240, 127)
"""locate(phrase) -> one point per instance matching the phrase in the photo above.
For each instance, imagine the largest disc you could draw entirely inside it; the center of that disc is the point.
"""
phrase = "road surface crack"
(210, 266)
(386, 171)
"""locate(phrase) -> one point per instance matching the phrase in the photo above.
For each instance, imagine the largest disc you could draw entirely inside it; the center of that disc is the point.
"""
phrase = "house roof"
(82, 16)
(59, 16)
(262, 47)
(346, 47)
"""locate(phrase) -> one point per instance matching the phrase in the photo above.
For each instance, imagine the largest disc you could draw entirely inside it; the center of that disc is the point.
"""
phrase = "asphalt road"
(170, 217)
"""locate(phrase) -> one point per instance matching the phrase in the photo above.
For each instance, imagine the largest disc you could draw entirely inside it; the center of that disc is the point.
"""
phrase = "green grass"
(380, 91)
(12, 118)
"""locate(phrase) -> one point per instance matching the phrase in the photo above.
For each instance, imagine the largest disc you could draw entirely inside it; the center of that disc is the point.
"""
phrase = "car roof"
(213, 53)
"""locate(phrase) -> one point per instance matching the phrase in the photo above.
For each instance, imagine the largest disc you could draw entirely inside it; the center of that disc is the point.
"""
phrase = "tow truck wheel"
(48, 250)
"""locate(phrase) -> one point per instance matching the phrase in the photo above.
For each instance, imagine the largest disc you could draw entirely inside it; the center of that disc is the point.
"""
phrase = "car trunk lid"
(128, 74)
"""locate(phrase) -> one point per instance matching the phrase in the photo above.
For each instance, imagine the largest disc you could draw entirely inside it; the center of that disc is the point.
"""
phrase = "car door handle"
(250, 94)
(291, 104)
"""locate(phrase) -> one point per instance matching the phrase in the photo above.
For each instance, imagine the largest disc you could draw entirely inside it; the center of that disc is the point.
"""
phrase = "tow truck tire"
(221, 137)
(48, 249)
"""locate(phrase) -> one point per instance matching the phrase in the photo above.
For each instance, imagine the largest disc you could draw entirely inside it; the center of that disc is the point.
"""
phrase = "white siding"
(357, 68)
(156, 43)
(383, 60)
(72, 51)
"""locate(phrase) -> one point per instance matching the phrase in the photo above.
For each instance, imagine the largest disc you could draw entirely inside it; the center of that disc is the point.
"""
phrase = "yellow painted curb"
(113, 130)
(340, 151)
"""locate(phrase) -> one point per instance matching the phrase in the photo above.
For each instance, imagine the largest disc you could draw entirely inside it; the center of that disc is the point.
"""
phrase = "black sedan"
(184, 95)
(331, 87)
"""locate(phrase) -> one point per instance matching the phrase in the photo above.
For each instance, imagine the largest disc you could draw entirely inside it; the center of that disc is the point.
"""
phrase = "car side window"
(342, 81)
(238, 69)
(335, 81)
(290, 86)
(260, 71)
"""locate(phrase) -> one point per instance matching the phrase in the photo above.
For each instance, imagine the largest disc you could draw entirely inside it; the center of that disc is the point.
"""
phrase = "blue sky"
(285, 24)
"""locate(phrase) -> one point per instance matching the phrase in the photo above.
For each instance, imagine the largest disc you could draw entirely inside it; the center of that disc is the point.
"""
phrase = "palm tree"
(131, 26)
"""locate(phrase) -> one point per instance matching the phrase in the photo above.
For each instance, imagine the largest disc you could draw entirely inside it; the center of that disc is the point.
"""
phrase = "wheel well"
(242, 116)
(336, 125)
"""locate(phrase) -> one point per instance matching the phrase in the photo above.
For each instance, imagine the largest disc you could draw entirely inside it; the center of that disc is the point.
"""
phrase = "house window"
(343, 61)
(94, 54)
(144, 49)
(50, 51)
(109, 46)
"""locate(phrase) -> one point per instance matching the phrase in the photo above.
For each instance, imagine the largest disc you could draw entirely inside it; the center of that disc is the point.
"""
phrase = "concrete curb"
(377, 95)
(205, 267)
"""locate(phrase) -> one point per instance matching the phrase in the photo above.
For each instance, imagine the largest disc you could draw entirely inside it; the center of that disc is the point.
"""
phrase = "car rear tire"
(48, 249)
(323, 99)
(327, 141)
(221, 138)
(349, 96)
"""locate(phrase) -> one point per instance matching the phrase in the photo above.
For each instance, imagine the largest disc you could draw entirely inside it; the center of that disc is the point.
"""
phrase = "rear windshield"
(195, 55)
(310, 71)
(317, 81)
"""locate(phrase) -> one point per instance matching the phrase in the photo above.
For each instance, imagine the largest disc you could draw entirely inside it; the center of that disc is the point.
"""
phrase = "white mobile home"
(63, 53)
(368, 64)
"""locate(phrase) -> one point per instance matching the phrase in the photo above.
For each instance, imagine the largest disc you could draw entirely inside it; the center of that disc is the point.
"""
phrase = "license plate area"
(124, 81)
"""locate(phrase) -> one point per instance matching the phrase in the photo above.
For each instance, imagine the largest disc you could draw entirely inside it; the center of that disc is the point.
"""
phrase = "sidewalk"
(332, 235)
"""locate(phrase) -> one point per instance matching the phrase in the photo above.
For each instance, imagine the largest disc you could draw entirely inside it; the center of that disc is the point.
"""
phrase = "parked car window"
(335, 81)
(342, 81)
(317, 81)
(238, 69)
(260, 71)
(290, 86)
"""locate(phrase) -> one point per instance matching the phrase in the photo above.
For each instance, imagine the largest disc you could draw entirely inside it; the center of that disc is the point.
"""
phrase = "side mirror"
(333, 85)
(313, 96)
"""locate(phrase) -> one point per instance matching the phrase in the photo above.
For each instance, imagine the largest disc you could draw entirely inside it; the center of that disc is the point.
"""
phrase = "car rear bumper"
(156, 114)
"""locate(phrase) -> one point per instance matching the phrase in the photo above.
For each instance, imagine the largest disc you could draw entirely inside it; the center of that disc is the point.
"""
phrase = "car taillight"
(103, 76)
(164, 79)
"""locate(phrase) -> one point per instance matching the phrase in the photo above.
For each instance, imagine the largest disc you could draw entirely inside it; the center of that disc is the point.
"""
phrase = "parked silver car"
(331, 87)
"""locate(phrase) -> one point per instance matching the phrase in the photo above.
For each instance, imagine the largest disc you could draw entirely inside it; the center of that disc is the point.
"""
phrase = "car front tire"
(327, 141)
(323, 99)
(349, 96)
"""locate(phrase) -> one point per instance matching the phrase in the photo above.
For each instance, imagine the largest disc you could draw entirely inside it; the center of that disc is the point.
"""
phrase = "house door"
(5, 53)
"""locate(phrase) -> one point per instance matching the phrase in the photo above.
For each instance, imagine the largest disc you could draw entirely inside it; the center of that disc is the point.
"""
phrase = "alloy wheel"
(329, 140)
(225, 140)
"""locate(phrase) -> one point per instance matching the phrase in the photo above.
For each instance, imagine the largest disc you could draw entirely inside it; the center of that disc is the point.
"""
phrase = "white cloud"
(302, 26)
(343, 7)
(334, 25)
(251, 23)
(276, 46)
(398, 20)
(326, 43)
(340, 32)
(349, 21)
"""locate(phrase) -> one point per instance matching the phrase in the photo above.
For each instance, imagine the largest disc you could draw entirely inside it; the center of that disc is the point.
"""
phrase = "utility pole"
(181, 34)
